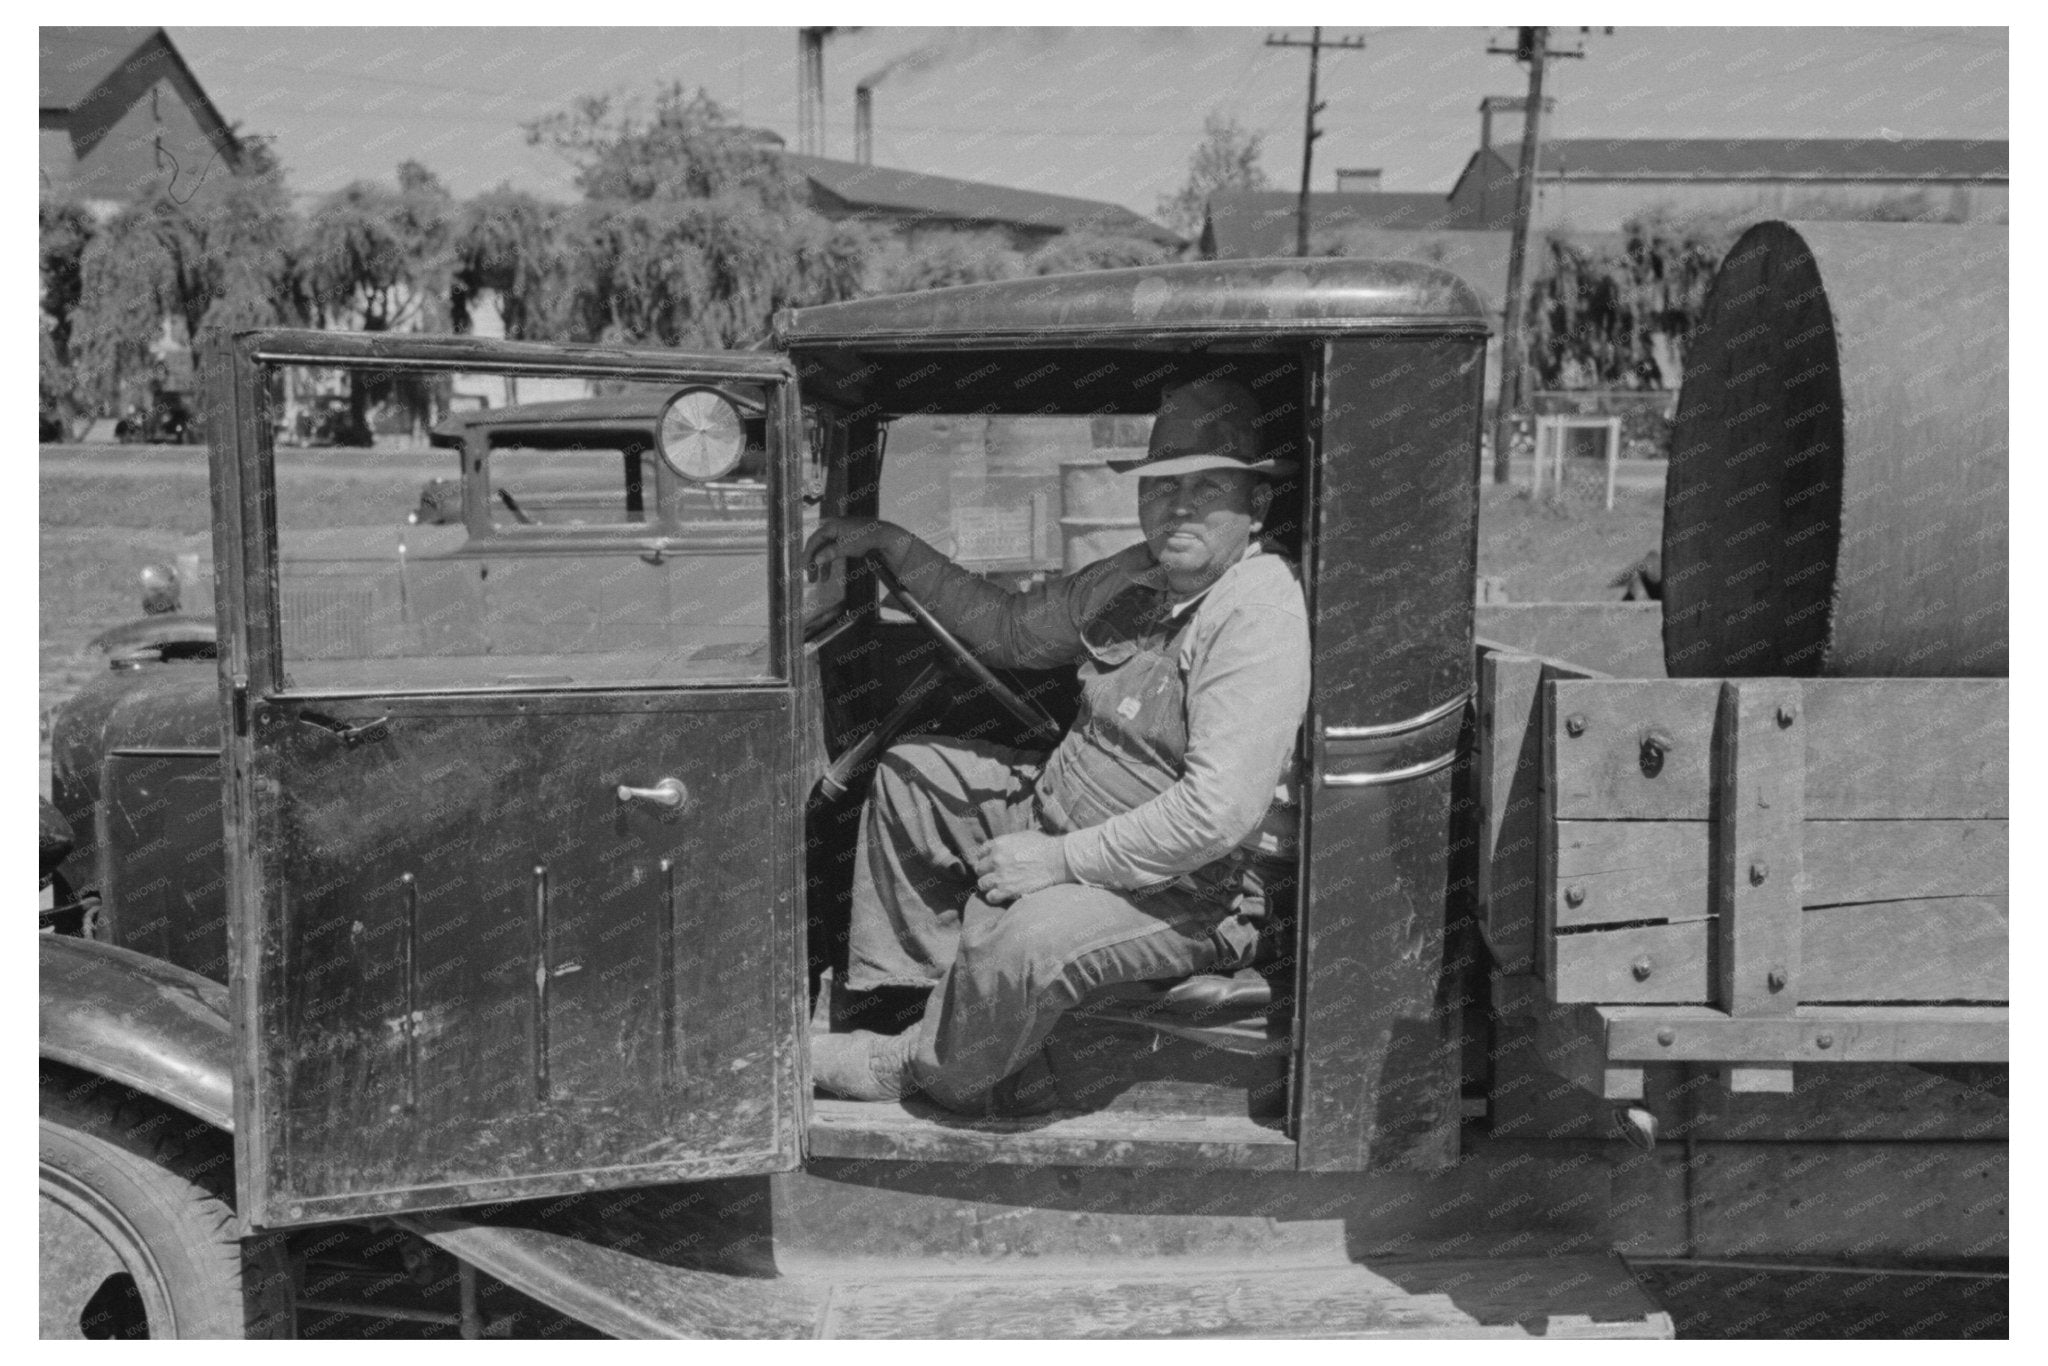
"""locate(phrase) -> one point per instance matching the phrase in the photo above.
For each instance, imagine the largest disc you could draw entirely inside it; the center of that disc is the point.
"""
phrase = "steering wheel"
(1036, 719)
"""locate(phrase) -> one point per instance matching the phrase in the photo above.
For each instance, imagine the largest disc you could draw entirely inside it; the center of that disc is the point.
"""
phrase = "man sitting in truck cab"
(1013, 883)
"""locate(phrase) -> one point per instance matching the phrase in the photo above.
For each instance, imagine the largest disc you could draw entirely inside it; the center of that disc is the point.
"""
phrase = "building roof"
(88, 77)
(898, 193)
(73, 62)
(1255, 223)
(1775, 159)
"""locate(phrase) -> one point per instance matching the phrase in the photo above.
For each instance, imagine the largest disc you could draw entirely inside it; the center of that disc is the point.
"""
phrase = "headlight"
(159, 589)
(700, 436)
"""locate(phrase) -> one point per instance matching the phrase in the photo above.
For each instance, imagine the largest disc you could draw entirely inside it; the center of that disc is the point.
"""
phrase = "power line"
(1310, 132)
(1532, 45)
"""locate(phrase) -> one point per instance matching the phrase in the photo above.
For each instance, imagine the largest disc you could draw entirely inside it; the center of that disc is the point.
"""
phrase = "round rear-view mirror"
(700, 436)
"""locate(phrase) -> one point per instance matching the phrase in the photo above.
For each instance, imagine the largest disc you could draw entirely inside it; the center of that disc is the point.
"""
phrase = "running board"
(617, 1292)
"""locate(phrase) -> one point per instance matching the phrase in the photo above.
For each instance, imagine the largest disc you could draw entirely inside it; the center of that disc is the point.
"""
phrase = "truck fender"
(139, 1021)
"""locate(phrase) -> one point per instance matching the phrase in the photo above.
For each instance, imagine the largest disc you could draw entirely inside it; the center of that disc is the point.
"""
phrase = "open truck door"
(513, 840)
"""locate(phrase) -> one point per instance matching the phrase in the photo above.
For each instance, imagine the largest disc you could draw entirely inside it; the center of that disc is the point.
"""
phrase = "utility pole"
(1532, 45)
(1310, 132)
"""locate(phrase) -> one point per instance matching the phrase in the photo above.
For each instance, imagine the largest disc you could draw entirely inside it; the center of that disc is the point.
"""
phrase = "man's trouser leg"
(932, 802)
(1019, 967)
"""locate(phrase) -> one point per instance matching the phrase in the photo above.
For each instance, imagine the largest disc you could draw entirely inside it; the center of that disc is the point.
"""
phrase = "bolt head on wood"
(1575, 724)
(1787, 713)
(1758, 872)
(1824, 1041)
(1667, 1036)
(1776, 979)
(1575, 896)
(1642, 968)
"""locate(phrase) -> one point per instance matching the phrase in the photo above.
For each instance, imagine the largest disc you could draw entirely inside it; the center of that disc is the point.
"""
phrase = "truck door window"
(1017, 499)
(553, 547)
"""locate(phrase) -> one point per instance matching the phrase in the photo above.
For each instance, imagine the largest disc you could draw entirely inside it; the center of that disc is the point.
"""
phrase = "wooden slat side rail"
(1759, 799)
(1510, 772)
(1866, 1034)
(1605, 1049)
(1876, 748)
(1950, 949)
(1547, 723)
(1609, 871)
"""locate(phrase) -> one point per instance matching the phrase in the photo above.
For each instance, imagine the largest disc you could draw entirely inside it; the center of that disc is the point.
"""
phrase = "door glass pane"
(1017, 499)
(456, 531)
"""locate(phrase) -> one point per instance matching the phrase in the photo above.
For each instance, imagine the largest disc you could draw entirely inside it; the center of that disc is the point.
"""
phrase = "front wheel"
(137, 1230)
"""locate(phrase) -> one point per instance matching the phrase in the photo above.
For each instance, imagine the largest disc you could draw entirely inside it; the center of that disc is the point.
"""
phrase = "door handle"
(351, 736)
(669, 794)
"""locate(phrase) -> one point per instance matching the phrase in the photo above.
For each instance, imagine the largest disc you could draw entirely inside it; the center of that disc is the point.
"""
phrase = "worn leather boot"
(861, 1065)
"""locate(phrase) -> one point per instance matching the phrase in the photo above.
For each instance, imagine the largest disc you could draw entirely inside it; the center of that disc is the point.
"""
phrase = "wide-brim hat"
(1208, 425)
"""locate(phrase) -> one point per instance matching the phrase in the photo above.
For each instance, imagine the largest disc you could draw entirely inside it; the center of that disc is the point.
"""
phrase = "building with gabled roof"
(1252, 223)
(911, 200)
(122, 116)
(1597, 184)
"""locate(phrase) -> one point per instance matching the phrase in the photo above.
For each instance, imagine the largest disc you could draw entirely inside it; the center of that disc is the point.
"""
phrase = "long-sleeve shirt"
(1244, 664)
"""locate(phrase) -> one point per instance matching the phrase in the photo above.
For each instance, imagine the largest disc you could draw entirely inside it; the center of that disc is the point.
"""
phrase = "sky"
(1106, 113)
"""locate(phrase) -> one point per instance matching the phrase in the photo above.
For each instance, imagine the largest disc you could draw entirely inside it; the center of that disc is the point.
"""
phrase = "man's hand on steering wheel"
(843, 538)
(849, 538)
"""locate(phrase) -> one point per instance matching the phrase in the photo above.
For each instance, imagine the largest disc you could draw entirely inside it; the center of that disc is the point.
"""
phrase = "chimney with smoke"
(864, 124)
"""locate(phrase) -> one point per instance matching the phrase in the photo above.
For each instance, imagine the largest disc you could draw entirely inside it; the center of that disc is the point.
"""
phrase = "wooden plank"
(1943, 753)
(1657, 870)
(917, 1132)
(1622, 638)
(1752, 1080)
(1950, 949)
(1632, 749)
(1760, 787)
(1943, 756)
(1852, 1034)
(1629, 870)
(1639, 964)
(1850, 861)
(1510, 771)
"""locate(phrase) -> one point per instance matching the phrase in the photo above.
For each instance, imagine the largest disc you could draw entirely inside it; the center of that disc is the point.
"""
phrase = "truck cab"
(529, 833)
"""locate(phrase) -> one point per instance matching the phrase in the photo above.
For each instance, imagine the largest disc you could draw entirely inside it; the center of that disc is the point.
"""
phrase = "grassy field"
(107, 511)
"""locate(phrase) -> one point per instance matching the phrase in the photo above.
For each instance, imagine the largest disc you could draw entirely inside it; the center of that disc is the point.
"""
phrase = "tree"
(64, 229)
(937, 257)
(1599, 316)
(699, 273)
(1085, 251)
(689, 149)
(381, 260)
(693, 230)
(162, 271)
(506, 244)
(1227, 158)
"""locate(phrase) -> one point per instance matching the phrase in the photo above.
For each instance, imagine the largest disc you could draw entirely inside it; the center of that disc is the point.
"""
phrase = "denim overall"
(1004, 974)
